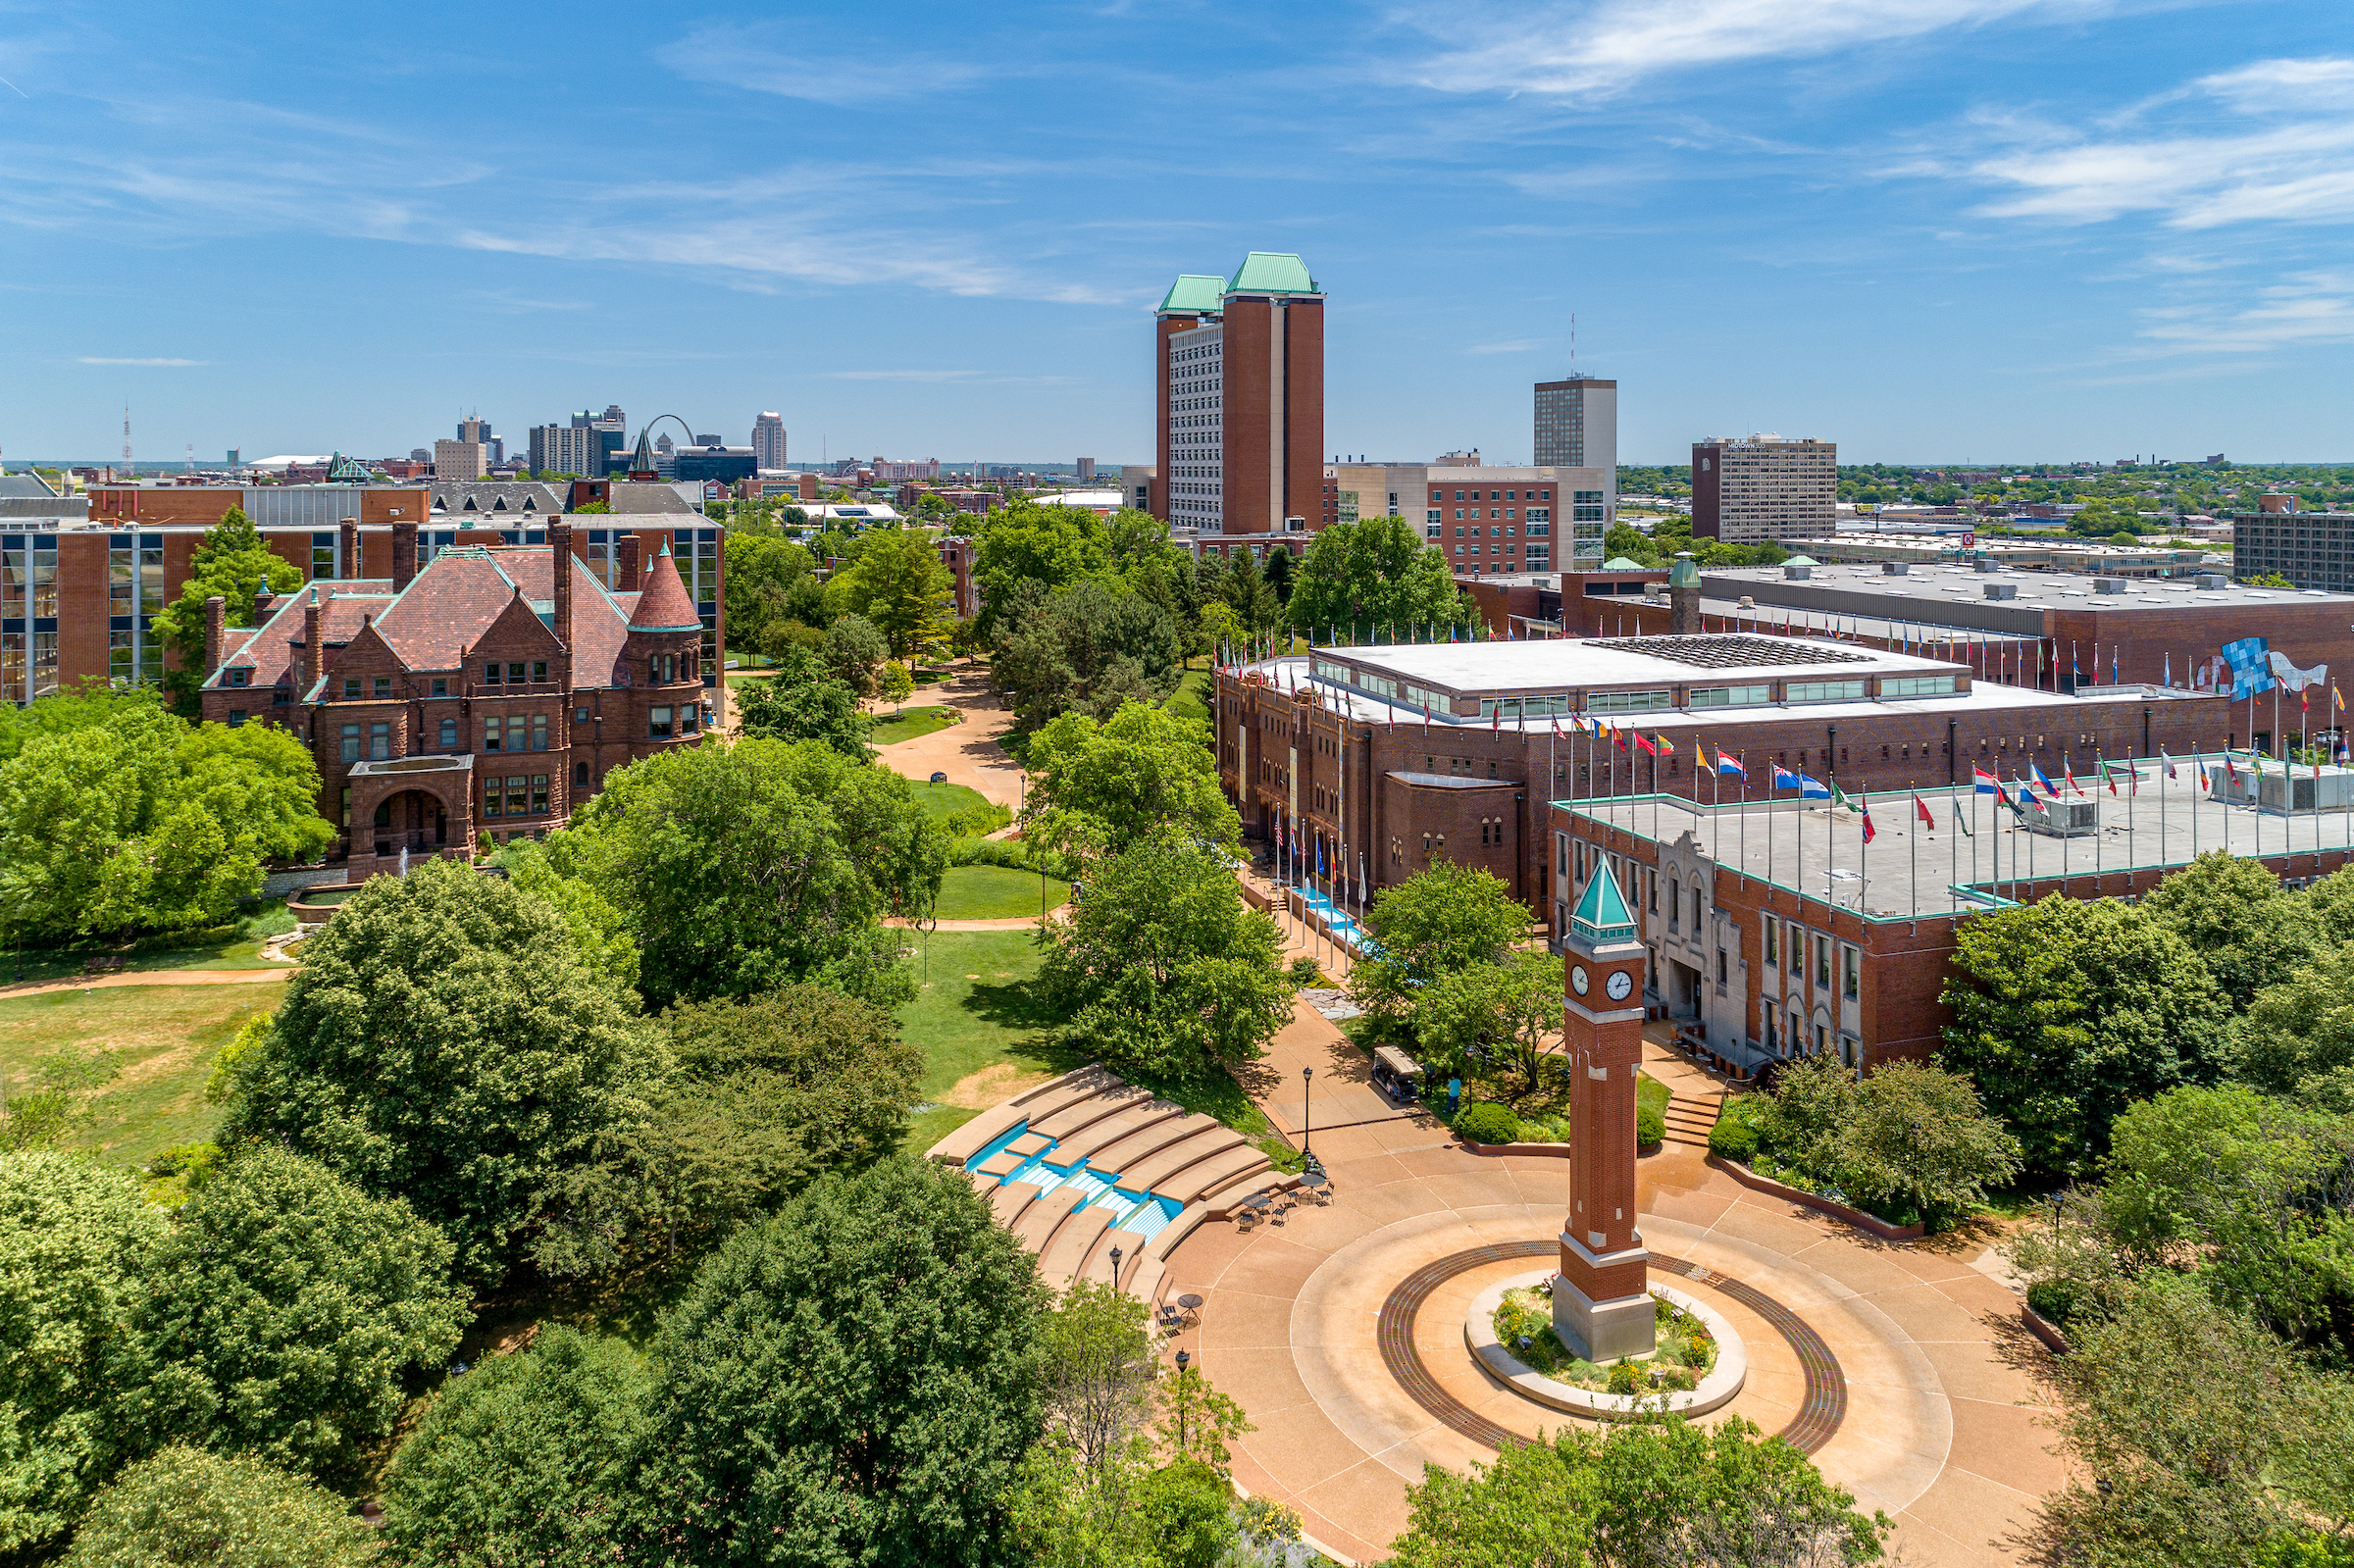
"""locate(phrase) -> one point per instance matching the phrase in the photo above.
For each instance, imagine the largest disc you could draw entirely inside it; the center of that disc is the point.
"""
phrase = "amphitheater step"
(1062, 1253)
(1218, 1172)
(1140, 1151)
(1090, 1142)
(1201, 1137)
(1039, 1220)
(1096, 1265)
(1087, 1112)
(1007, 1203)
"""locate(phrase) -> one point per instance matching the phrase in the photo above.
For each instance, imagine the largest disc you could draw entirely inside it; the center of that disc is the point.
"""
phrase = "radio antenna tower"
(1573, 345)
(127, 439)
(191, 457)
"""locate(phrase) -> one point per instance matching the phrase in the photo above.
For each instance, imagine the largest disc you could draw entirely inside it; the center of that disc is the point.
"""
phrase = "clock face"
(1619, 985)
(1577, 979)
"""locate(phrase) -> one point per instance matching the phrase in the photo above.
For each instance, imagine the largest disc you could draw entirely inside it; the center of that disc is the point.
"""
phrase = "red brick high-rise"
(1240, 366)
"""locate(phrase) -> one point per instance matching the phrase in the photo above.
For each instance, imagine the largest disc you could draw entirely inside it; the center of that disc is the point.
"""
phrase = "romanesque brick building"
(479, 695)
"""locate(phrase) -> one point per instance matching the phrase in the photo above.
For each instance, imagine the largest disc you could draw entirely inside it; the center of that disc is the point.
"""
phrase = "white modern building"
(768, 441)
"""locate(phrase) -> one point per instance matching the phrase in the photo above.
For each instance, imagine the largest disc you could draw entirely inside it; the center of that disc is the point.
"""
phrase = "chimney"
(314, 643)
(559, 545)
(405, 555)
(216, 628)
(632, 579)
(348, 547)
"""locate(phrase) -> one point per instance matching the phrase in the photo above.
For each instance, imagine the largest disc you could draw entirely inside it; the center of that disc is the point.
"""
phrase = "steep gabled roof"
(268, 650)
(663, 605)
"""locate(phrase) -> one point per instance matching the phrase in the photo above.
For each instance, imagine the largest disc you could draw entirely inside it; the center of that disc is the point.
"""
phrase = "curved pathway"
(967, 752)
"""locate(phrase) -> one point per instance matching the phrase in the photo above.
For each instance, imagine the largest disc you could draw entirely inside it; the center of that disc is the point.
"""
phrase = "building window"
(540, 671)
(380, 741)
(351, 742)
(1798, 947)
(540, 794)
(441, 685)
(518, 794)
(491, 734)
(658, 724)
(1675, 902)
(237, 717)
(384, 687)
(1723, 969)
(1851, 979)
(514, 673)
(450, 735)
(1773, 954)
(351, 689)
(539, 731)
(686, 719)
(1822, 962)
(490, 675)
(492, 799)
(579, 716)
(579, 775)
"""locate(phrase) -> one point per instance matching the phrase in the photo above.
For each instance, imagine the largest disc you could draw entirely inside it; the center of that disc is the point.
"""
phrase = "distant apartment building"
(1239, 364)
(1749, 490)
(611, 434)
(1577, 427)
(768, 441)
(1484, 519)
(460, 460)
(477, 429)
(2312, 549)
(566, 449)
(886, 472)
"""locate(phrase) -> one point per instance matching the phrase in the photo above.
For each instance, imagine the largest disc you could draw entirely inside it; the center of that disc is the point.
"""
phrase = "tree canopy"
(281, 1312)
(2249, 930)
(851, 1381)
(116, 815)
(1445, 918)
(900, 585)
(445, 1042)
(194, 1509)
(1162, 969)
(1086, 648)
(1373, 575)
(1506, 1010)
(1104, 786)
(234, 564)
(747, 867)
(2066, 1011)
(771, 582)
(803, 700)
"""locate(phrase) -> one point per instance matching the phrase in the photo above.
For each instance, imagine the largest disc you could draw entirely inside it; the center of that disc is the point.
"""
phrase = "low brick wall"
(2043, 1329)
(1820, 1204)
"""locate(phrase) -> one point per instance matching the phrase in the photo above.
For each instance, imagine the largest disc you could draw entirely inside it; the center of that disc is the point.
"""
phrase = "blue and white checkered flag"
(2251, 671)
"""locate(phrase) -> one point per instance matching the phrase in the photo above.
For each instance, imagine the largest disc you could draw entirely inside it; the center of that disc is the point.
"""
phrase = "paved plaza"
(1941, 1421)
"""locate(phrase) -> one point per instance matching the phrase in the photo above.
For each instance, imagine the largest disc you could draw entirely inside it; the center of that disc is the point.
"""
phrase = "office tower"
(1749, 489)
(768, 441)
(611, 439)
(1087, 468)
(1240, 366)
(1577, 427)
(566, 449)
(460, 460)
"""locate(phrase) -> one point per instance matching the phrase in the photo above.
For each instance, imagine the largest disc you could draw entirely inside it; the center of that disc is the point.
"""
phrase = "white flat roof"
(1547, 664)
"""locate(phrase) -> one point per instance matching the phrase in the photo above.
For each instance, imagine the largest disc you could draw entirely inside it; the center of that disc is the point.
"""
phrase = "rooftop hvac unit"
(2061, 819)
(1797, 574)
(2302, 791)
(2002, 590)
(2213, 580)
(1895, 569)
(2107, 584)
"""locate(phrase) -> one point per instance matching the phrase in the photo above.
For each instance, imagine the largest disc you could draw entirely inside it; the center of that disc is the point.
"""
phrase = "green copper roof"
(1621, 563)
(1602, 914)
(1800, 560)
(1272, 272)
(1685, 573)
(1196, 291)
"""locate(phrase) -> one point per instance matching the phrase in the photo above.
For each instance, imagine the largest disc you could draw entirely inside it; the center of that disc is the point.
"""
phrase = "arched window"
(580, 774)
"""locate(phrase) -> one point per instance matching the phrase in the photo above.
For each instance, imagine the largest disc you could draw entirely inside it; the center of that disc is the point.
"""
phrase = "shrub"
(2053, 1300)
(1014, 854)
(1488, 1123)
(1650, 1123)
(1738, 1125)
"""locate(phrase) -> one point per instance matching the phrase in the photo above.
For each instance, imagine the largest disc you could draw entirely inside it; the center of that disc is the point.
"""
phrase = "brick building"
(2312, 549)
(1335, 747)
(480, 692)
(1750, 488)
(1238, 367)
(77, 599)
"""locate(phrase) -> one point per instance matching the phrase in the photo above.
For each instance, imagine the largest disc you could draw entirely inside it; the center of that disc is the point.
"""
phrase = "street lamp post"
(1115, 1268)
(1307, 1111)
(1183, 1356)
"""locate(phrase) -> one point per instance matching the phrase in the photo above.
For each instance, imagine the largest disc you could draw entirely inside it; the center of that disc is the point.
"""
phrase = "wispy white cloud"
(903, 376)
(760, 59)
(96, 359)
(2273, 141)
(1517, 345)
(1601, 47)
(2313, 306)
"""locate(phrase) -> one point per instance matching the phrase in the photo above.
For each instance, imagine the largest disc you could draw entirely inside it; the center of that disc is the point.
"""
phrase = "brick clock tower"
(1600, 1308)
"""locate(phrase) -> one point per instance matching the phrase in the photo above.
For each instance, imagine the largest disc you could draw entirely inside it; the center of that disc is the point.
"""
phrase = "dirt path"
(968, 752)
(151, 976)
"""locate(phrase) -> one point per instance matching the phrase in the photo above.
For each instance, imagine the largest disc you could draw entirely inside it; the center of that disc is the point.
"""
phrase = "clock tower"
(1600, 1308)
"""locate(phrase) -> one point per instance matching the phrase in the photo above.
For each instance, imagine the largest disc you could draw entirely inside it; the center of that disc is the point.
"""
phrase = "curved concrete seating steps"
(1214, 1174)
(1090, 1142)
(1138, 1149)
(1096, 1265)
(1219, 1207)
(1007, 1203)
(1060, 1255)
(1031, 1104)
(1012, 1156)
(1038, 1219)
(1085, 1112)
(1168, 1165)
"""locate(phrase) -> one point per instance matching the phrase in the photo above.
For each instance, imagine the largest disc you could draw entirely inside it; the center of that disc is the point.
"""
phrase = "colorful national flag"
(1812, 788)
(1783, 778)
(2043, 782)
(1666, 746)
(1636, 735)
(1839, 797)
(1985, 783)
(1870, 833)
(1728, 763)
(1921, 807)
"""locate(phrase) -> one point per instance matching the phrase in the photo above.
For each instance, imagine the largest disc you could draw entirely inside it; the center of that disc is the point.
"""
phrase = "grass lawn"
(237, 947)
(158, 1043)
(887, 731)
(947, 799)
(976, 1015)
(1191, 699)
(745, 676)
(995, 893)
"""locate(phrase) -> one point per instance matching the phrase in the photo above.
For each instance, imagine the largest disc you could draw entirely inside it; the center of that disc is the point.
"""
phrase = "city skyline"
(1928, 232)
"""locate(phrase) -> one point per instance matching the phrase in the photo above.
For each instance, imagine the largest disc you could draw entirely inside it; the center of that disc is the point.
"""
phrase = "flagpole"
(1744, 814)
(1912, 849)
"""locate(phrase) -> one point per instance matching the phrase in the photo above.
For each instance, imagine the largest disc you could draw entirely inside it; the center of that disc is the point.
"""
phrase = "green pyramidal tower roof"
(1602, 914)
(1195, 293)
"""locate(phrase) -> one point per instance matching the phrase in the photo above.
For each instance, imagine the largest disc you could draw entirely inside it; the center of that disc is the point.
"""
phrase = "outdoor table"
(1192, 1306)
(1317, 1181)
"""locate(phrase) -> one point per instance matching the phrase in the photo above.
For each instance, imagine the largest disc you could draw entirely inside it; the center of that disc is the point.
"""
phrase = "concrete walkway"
(967, 752)
(1942, 1426)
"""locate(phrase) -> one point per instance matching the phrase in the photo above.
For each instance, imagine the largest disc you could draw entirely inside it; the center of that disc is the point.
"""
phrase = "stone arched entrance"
(409, 809)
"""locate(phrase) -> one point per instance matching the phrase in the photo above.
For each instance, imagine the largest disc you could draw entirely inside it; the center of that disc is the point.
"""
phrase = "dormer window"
(531, 503)
(470, 505)
(440, 504)
(498, 504)
(351, 689)
(238, 677)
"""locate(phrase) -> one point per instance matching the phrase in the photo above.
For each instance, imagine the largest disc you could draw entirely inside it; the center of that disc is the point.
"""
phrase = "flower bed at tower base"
(1716, 1390)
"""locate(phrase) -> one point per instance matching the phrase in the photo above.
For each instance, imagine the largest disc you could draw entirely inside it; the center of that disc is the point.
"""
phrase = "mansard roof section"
(1194, 294)
(1272, 272)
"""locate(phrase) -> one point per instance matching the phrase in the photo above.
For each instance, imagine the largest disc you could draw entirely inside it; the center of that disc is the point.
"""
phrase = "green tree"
(898, 684)
(528, 1458)
(1443, 919)
(1649, 1495)
(853, 1381)
(1097, 787)
(854, 651)
(2250, 931)
(747, 867)
(838, 1065)
(194, 1509)
(599, 931)
(1100, 1368)
(1162, 969)
(1504, 1010)
(2297, 1037)
(764, 571)
(1249, 595)
(1087, 649)
(1040, 547)
(1279, 572)
(234, 564)
(1374, 577)
(2066, 1011)
(802, 701)
(445, 1042)
(73, 1240)
(1918, 1143)
(899, 583)
(281, 1313)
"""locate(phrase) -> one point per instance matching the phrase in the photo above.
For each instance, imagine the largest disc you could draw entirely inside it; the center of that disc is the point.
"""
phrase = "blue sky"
(1923, 229)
